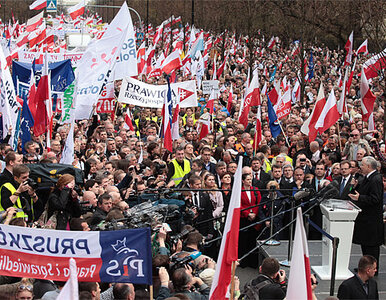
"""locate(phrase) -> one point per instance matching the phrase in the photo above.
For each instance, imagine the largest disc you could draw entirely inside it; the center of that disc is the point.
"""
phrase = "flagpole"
(233, 279)
(282, 130)
(340, 142)
(151, 291)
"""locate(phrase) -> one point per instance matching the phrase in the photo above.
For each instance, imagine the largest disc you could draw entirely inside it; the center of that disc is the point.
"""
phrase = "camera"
(32, 183)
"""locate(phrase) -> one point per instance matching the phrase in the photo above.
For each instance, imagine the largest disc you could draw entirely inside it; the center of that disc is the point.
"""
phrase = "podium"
(338, 221)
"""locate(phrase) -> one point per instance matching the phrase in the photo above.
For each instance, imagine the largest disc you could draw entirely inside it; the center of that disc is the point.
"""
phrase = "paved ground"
(315, 250)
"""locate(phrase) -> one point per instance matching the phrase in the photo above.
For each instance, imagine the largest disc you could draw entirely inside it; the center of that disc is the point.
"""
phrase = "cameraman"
(184, 283)
(275, 285)
(63, 201)
(19, 194)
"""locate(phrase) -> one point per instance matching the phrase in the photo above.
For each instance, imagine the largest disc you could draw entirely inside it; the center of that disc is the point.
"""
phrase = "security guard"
(178, 167)
(19, 194)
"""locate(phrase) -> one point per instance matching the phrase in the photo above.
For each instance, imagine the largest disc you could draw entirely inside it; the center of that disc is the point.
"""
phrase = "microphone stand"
(287, 262)
(317, 202)
(272, 242)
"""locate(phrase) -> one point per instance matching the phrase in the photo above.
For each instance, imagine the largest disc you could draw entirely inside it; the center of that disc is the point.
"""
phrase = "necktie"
(317, 184)
(196, 200)
(342, 186)
(257, 175)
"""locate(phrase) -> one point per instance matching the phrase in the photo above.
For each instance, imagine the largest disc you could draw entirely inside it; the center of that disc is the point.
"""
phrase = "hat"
(207, 276)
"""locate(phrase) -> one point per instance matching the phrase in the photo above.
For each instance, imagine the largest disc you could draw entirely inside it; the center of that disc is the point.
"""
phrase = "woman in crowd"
(63, 201)
(226, 185)
(215, 195)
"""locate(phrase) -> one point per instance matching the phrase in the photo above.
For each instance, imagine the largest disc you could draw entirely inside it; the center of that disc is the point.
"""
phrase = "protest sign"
(107, 256)
(209, 85)
(106, 101)
(147, 95)
(28, 57)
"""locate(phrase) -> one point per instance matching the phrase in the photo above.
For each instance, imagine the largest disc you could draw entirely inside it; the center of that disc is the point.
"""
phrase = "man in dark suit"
(203, 205)
(344, 182)
(260, 178)
(368, 196)
(361, 285)
(208, 165)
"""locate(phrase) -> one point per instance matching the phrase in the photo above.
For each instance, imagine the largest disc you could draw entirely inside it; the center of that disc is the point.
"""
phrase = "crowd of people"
(123, 168)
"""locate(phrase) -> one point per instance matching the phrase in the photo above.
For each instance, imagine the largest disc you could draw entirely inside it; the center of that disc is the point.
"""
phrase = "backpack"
(251, 291)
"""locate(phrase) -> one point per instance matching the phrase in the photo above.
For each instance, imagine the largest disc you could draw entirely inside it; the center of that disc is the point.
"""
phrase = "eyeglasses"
(25, 287)
(352, 135)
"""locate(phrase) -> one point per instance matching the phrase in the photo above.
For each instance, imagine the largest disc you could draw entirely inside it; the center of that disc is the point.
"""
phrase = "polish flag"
(128, 120)
(76, 10)
(34, 22)
(166, 119)
(296, 92)
(375, 64)
(230, 99)
(283, 106)
(371, 126)
(251, 99)
(258, 135)
(158, 34)
(37, 37)
(210, 104)
(351, 75)
(176, 119)
(222, 67)
(299, 282)
(172, 62)
(32, 91)
(348, 48)
(368, 98)
(271, 43)
(308, 127)
(38, 4)
(204, 128)
(230, 242)
(264, 89)
(274, 93)
(363, 48)
(141, 58)
(329, 115)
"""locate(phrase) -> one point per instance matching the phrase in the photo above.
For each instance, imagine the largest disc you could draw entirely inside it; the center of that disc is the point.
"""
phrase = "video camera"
(182, 262)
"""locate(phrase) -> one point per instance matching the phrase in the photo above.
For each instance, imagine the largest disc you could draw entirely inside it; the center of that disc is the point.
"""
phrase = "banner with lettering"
(106, 101)
(28, 57)
(139, 93)
(106, 256)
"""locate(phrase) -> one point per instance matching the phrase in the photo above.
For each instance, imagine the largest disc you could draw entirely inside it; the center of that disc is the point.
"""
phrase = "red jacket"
(246, 203)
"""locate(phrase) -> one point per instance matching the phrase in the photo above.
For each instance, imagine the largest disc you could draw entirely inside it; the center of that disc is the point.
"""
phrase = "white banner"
(209, 85)
(8, 102)
(26, 56)
(147, 95)
(97, 62)
(126, 64)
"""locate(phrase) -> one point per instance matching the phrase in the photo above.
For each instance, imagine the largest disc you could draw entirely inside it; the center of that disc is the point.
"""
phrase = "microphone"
(302, 194)
(329, 191)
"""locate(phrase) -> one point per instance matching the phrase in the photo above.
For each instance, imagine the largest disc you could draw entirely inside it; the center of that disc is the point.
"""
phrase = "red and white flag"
(342, 100)
(38, 4)
(348, 48)
(229, 243)
(283, 106)
(141, 58)
(76, 10)
(230, 99)
(172, 62)
(308, 127)
(34, 22)
(203, 128)
(296, 92)
(274, 94)
(258, 134)
(299, 282)
(128, 120)
(158, 34)
(210, 104)
(368, 98)
(271, 42)
(375, 64)
(176, 120)
(252, 98)
(222, 67)
(363, 48)
(70, 289)
(329, 115)
(166, 120)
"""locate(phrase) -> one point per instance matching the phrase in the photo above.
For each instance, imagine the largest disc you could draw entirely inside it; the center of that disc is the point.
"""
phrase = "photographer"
(19, 194)
(63, 201)
(184, 283)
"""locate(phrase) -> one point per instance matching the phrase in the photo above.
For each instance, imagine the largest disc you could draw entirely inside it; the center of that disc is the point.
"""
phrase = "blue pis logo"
(126, 261)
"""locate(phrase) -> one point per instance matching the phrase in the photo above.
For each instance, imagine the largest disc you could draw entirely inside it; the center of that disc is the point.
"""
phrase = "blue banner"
(273, 121)
(62, 74)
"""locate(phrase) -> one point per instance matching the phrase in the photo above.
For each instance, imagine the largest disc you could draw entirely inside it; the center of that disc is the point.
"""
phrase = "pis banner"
(107, 256)
(143, 94)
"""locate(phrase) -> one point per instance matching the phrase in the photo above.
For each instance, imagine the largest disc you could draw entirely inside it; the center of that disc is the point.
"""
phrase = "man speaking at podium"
(368, 196)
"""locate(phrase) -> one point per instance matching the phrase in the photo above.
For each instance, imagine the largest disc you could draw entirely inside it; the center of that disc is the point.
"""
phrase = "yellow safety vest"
(17, 204)
(178, 172)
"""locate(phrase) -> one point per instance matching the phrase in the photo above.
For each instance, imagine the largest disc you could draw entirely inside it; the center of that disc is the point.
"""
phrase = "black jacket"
(273, 290)
(98, 216)
(369, 220)
(352, 289)
(204, 214)
(347, 188)
(61, 201)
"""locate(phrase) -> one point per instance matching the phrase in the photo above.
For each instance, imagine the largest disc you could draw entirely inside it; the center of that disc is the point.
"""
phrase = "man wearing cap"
(353, 144)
